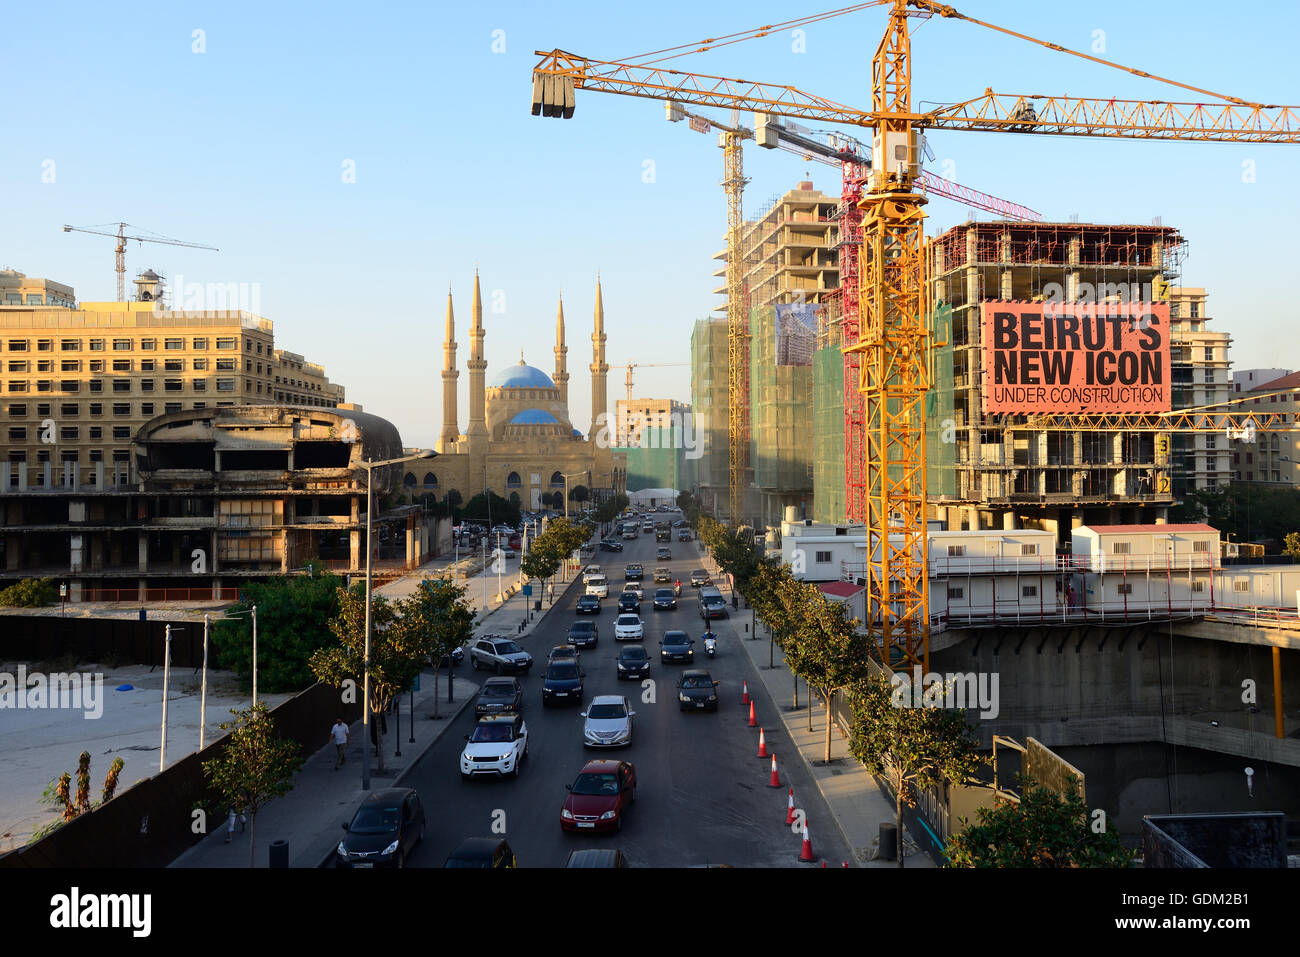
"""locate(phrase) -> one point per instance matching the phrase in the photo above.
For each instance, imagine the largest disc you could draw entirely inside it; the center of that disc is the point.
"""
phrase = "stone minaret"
(450, 421)
(599, 403)
(561, 363)
(477, 365)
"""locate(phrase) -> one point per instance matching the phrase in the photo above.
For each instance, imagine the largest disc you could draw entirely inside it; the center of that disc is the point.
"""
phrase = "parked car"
(599, 797)
(700, 578)
(584, 634)
(598, 585)
(628, 628)
(563, 682)
(676, 646)
(501, 655)
(498, 745)
(499, 695)
(633, 662)
(611, 545)
(387, 825)
(588, 605)
(628, 601)
(482, 852)
(665, 598)
(633, 572)
(608, 722)
(597, 857)
(663, 554)
(663, 574)
(696, 690)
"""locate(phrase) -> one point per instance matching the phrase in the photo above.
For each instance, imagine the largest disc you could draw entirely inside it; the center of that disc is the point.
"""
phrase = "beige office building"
(636, 415)
(78, 381)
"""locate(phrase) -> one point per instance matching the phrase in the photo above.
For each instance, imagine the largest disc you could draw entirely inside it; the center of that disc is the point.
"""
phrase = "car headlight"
(622, 667)
(713, 697)
(566, 814)
(683, 697)
(343, 851)
(608, 815)
(392, 847)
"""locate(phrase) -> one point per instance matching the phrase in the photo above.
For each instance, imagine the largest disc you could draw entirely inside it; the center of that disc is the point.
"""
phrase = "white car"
(628, 628)
(609, 722)
(598, 585)
(497, 746)
(634, 588)
(590, 572)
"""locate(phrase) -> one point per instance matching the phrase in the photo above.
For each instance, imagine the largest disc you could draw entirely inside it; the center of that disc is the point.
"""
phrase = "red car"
(599, 797)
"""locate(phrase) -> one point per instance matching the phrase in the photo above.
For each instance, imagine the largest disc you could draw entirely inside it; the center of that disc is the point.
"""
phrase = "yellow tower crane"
(894, 346)
(122, 237)
(645, 365)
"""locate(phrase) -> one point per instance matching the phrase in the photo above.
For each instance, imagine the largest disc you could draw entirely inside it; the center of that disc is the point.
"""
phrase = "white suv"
(497, 746)
(598, 585)
(628, 628)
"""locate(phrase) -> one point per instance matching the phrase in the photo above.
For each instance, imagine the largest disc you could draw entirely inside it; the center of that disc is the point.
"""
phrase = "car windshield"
(697, 682)
(487, 733)
(596, 580)
(629, 620)
(564, 672)
(596, 784)
(714, 600)
(699, 573)
(581, 628)
(633, 654)
(675, 638)
(507, 648)
(664, 593)
(375, 819)
(491, 690)
(607, 711)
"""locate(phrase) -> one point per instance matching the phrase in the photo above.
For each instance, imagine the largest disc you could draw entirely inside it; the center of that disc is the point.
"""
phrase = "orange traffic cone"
(744, 697)
(805, 852)
(753, 721)
(776, 781)
(789, 811)
(762, 744)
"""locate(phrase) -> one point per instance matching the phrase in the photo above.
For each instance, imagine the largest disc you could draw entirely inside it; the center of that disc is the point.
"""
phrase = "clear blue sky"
(242, 147)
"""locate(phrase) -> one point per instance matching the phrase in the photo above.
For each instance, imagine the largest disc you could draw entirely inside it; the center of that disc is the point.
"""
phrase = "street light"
(370, 466)
(566, 491)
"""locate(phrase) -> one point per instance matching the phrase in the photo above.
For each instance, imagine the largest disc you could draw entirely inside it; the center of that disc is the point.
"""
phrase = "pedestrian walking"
(230, 824)
(342, 737)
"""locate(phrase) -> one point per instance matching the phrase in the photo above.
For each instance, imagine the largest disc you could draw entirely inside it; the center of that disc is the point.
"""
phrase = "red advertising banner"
(1051, 357)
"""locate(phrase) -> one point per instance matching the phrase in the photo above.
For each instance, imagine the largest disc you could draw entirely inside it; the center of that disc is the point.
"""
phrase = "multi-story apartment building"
(1200, 370)
(633, 416)
(1272, 457)
(78, 382)
(707, 474)
(1245, 380)
(17, 290)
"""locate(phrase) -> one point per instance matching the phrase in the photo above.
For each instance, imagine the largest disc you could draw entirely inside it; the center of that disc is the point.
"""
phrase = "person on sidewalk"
(230, 824)
(342, 737)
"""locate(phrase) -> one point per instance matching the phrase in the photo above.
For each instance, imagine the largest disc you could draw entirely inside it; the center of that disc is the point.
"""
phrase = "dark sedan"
(498, 695)
(665, 598)
(382, 832)
(697, 691)
(628, 602)
(609, 545)
(584, 634)
(676, 646)
(633, 662)
(588, 605)
(563, 682)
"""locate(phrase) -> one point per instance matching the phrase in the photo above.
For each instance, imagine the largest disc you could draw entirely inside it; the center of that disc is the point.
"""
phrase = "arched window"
(557, 480)
(430, 480)
(409, 481)
(513, 481)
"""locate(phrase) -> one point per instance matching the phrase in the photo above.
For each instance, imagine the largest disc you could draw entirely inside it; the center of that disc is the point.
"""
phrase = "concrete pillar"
(48, 474)
(141, 587)
(76, 475)
(1053, 525)
(973, 515)
(972, 284)
(22, 476)
(1006, 285)
(99, 474)
(13, 552)
(143, 552)
(74, 591)
(1076, 518)
(410, 543)
(1009, 523)
(216, 460)
(1162, 514)
(354, 541)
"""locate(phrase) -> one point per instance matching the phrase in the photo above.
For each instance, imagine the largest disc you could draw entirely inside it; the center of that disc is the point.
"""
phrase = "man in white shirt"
(342, 737)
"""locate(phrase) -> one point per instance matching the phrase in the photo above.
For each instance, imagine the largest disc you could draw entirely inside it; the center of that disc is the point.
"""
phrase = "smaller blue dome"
(577, 433)
(534, 417)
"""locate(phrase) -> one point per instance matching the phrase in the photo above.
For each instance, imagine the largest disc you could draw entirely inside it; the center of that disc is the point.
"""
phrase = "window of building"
(18, 410)
(171, 407)
(225, 385)
(430, 480)
(146, 385)
(1124, 588)
(174, 343)
(956, 551)
(259, 348)
(1028, 591)
(199, 385)
(17, 433)
(70, 365)
(174, 365)
(96, 408)
(227, 342)
(259, 388)
(148, 345)
(513, 480)
(42, 455)
(121, 385)
(1241, 585)
(199, 342)
(1198, 585)
(17, 385)
(96, 345)
(1250, 476)
(69, 433)
(200, 405)
(226, 365)
(44, 345)
(96, 365)
(248, 365)
(121, 431)
(121, 455)
(70, 385)
(248, 385)
(96, 455)
(44, 385)
(1250, 458)
(248, 345)
(822, 558)
(43, 409)
(44, 365)
(1196, 310)
(121, 408)
(956, 593)
(1028, 549)
(173, 385)
(19, 365)
(95, 385)
(96, 432)
(1200, 546)
(1277, 476)
(69, 455)
(70, 409)
(200, 365)
(121, 345)
(1120, 548)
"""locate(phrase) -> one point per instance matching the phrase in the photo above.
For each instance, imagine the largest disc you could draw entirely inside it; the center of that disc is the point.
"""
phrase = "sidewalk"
(311, 816)
(855, 801)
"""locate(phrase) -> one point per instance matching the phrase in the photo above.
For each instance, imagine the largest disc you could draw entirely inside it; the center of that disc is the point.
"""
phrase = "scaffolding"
(782, 422)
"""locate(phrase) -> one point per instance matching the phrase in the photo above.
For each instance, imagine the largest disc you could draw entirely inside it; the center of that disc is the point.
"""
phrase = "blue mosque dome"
(535, 416)
(521, 376)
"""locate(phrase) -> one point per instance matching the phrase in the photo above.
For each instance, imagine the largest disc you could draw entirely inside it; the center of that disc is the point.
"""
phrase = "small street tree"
(255, 768)
(1291, 545)
(913, 748)
(396, 655)
(1045, 829)
(826, 649)
(438, 620)
(59, 793)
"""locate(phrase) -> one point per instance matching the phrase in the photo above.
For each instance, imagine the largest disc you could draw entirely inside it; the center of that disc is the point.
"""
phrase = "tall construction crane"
(122, 238)
(895, 341)
(645, 365)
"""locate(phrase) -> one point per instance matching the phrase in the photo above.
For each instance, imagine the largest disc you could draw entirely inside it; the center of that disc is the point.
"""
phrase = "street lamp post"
(369, 466)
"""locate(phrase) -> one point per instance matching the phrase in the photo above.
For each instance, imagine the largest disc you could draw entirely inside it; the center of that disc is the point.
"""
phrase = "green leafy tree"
(293, 616)
(453, 500)
(912, 748)
(438, 620)
(30, 593)
(254, 768)
(1044, 829)
(503, 511)
(396, 655)
(58, 794)
(825, 648)
(1291, 545)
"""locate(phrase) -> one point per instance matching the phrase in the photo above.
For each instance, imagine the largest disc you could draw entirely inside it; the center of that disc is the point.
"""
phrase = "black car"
(697, 691)
(665, 598)
(563, 682)
(482, 852)
(633, 662)
(382, 832)
(676, 646)
(588, 605)
(597, 857)
(583, 634)
(628, 602)
(498, 695)
(633, 573)
(610, 545)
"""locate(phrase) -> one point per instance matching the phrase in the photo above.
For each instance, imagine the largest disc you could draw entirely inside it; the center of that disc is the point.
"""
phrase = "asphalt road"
(702, 796)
